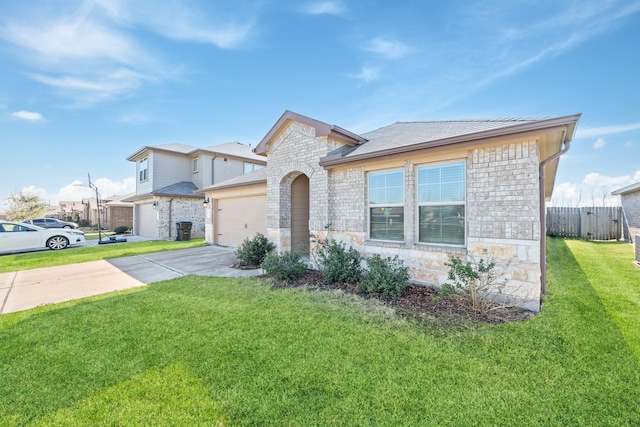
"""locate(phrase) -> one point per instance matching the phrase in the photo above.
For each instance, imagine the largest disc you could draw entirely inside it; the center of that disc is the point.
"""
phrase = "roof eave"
(322, 129)
(234, 185)
(626, 190)
(567, 123)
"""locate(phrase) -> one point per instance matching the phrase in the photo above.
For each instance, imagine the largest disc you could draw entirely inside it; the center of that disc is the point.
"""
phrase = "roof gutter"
(543, 217)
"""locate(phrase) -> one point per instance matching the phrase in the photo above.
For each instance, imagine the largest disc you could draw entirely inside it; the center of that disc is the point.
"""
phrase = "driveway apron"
(30, 288)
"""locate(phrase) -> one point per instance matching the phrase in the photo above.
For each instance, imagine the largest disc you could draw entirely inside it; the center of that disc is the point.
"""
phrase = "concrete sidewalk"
(30, 288)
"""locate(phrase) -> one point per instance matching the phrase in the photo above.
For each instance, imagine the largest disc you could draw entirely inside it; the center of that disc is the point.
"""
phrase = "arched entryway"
(300, 214)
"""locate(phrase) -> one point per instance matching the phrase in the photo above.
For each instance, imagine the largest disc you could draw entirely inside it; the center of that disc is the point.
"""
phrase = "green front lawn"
(217, 351)
(72, 255)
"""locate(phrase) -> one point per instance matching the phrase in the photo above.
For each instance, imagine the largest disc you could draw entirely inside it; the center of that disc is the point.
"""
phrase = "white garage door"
(240, 218)
(147, 221)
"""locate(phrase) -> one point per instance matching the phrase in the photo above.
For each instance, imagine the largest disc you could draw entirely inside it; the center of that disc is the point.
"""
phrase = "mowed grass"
(72, 255)
(217, 351)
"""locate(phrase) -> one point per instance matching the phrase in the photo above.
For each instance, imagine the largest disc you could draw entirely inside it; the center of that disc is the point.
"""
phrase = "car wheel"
(67, 226)
(57, 242)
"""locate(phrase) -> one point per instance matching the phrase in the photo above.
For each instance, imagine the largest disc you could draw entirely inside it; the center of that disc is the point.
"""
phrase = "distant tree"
(23, 206)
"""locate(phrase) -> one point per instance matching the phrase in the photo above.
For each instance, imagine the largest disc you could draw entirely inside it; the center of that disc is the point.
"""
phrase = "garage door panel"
(239, 218)
(148, 222)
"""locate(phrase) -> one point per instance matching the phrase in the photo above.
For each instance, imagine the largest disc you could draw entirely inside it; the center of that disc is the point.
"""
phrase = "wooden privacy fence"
(603, 223)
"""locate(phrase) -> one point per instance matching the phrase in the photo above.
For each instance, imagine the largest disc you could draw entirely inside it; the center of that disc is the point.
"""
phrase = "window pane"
(387, 223)
(386, 187)
(443, 183)
(442, 224)
(376, 196)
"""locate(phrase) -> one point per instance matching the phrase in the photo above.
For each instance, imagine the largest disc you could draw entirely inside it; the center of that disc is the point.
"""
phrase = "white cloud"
(91, 51)
(324, 8)
(629, 144)
(367, 74)
(77, 190)
(605, 130)
(28, 115)
(390, 49)
(594, 190)
(599, 143)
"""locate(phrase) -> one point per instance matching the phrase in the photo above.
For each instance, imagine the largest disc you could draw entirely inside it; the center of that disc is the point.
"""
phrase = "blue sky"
(84, 84)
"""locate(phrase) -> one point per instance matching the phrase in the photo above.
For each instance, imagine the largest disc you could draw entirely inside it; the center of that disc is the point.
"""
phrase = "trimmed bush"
(121, 229)
(386, 276)
(285, 267)
(339, 265)
(253, 252)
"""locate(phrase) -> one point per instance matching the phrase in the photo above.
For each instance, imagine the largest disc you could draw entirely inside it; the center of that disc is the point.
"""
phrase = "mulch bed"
(415, 299)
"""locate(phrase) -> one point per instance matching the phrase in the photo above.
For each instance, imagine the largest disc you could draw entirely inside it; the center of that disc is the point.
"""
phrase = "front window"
(250, 167)
(143, 170)
(441, 203)
(386, 205)
(195, 164)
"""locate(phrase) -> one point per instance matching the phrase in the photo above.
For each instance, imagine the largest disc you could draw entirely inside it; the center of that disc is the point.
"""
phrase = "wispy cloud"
(367, 74)
(28, 115)
(91, 50)
(594, 190)
(390, 49)
(606, 130)
(324, 8)
(600, 142)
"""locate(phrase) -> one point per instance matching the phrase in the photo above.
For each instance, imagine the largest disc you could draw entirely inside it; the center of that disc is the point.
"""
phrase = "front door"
(300, 215)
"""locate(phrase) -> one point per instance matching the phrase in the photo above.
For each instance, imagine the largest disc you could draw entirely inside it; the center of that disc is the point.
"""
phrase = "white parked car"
(18, 236)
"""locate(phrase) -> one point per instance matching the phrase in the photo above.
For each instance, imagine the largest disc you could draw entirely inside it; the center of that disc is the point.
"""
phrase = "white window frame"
(143, 174)
(195, 164)
(385, 205)
(463, 203)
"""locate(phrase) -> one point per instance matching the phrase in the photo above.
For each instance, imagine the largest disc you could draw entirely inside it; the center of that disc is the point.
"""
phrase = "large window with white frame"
(441, 203)
(386, 205)
(143, 169)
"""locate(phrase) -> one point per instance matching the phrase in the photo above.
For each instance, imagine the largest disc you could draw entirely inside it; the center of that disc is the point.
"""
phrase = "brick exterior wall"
(631, 207)
(182, 209)
(120, 216)
(502, 208)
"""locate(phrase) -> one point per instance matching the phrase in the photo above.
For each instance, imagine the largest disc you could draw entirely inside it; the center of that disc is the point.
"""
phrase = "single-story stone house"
(419, 190)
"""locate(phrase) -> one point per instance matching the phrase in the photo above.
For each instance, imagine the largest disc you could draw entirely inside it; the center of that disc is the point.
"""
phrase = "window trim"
(420, 204)
(386, 205)
(145, 170)
(195, 164)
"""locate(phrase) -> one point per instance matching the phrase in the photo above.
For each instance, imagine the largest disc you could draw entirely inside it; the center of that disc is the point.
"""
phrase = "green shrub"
(253, 252)
(121, 229)
(338, 264)
(480, 283)
(285, 267)
(386, 276)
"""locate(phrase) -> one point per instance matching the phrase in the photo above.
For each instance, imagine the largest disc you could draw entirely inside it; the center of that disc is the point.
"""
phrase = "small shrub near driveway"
(285, 267)
(386, 276)
(253, 252)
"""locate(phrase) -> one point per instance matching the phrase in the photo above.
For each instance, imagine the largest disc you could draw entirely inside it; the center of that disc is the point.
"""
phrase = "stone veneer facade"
(502, 207)
(179, 209)
(631, 207)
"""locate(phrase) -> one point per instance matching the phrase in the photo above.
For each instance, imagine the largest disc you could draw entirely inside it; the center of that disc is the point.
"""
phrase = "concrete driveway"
(30, 288)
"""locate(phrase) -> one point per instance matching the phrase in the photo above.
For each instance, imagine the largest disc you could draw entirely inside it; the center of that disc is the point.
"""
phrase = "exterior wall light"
(205, 202)
(155, 204)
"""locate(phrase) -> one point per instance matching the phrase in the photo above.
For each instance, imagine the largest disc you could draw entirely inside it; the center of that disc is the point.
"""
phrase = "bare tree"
(24, 205)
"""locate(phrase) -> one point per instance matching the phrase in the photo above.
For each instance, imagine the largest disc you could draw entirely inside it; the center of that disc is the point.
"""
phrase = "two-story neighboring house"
(167, 177)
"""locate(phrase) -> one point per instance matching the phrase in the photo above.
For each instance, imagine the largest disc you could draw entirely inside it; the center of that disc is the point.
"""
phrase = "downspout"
(170, 216)
(543, 217)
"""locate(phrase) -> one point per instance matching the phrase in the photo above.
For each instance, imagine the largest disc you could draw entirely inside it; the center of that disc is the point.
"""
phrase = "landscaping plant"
(284, 267)
(387, 276)
(480, 282)
(337, 263)
(253, 252)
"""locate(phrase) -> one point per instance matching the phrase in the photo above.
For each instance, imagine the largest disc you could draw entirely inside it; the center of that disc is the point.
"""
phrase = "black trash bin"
(184, 230)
